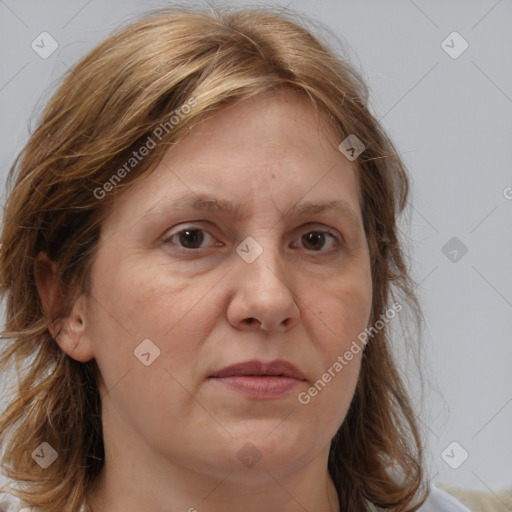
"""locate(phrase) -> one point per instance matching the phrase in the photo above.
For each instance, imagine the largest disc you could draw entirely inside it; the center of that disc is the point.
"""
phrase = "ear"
(71, 332)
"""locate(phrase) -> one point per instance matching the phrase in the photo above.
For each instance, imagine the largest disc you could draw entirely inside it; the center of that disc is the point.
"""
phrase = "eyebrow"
(229, 208)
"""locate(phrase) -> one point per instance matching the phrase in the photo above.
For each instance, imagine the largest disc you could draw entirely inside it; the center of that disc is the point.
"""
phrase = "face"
(180, 292)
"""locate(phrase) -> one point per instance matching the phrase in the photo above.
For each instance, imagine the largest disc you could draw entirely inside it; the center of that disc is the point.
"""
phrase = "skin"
(171, 434)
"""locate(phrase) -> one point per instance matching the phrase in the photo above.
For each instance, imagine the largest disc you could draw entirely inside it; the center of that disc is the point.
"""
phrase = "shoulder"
(440, 501)
(10, 503)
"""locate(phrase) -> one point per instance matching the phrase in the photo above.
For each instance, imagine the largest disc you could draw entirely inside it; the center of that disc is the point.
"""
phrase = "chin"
(255, 453)
(280, 451)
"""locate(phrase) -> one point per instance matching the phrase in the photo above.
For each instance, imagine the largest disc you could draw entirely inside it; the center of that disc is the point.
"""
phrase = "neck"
(133, 488)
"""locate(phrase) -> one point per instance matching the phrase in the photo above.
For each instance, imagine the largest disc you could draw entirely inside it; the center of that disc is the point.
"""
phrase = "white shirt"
(437, 501)
(440, 501)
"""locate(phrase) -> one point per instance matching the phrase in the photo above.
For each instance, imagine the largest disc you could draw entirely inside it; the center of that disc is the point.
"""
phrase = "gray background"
(451, 121)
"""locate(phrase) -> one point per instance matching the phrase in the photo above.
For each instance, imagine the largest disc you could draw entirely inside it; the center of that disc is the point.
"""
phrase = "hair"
(69, 174)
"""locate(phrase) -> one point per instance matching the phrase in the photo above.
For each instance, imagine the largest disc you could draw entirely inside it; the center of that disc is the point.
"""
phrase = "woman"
(199, 252)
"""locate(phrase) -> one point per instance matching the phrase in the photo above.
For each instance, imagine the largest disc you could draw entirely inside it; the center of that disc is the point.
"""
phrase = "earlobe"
(73, 338)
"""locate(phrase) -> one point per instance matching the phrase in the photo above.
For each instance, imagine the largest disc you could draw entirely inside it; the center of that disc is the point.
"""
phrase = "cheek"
(148, 295)
(139, 301)
(135, 304)
(337, 314)
(343, 310)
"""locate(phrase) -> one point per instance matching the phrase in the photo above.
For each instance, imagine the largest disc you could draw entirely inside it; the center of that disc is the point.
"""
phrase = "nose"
(263, 296)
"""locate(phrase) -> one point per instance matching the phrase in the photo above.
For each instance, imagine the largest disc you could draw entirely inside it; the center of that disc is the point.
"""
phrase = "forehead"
(270, 124)
(267, 149)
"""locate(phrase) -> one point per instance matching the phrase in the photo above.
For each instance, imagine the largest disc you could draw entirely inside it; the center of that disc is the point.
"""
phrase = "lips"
(258, 380)
(254, 368)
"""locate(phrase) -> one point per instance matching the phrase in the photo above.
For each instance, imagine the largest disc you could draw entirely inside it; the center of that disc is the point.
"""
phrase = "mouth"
(260, 380)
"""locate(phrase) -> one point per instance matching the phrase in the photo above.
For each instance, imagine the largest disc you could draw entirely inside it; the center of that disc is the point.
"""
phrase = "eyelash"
(337, 239)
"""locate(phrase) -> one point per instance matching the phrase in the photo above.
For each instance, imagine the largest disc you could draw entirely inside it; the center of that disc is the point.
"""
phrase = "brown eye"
(190, 238)
(313, 240)
(318, 239)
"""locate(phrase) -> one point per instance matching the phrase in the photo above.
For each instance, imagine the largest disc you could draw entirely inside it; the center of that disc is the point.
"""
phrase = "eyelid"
(313, 226)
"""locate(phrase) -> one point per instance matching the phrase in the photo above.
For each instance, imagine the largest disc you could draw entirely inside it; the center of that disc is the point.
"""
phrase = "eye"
(189, 238)
(193, 238)
(315, 240)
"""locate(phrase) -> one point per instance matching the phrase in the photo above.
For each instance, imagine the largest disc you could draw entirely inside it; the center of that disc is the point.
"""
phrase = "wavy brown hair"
(107, 106)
